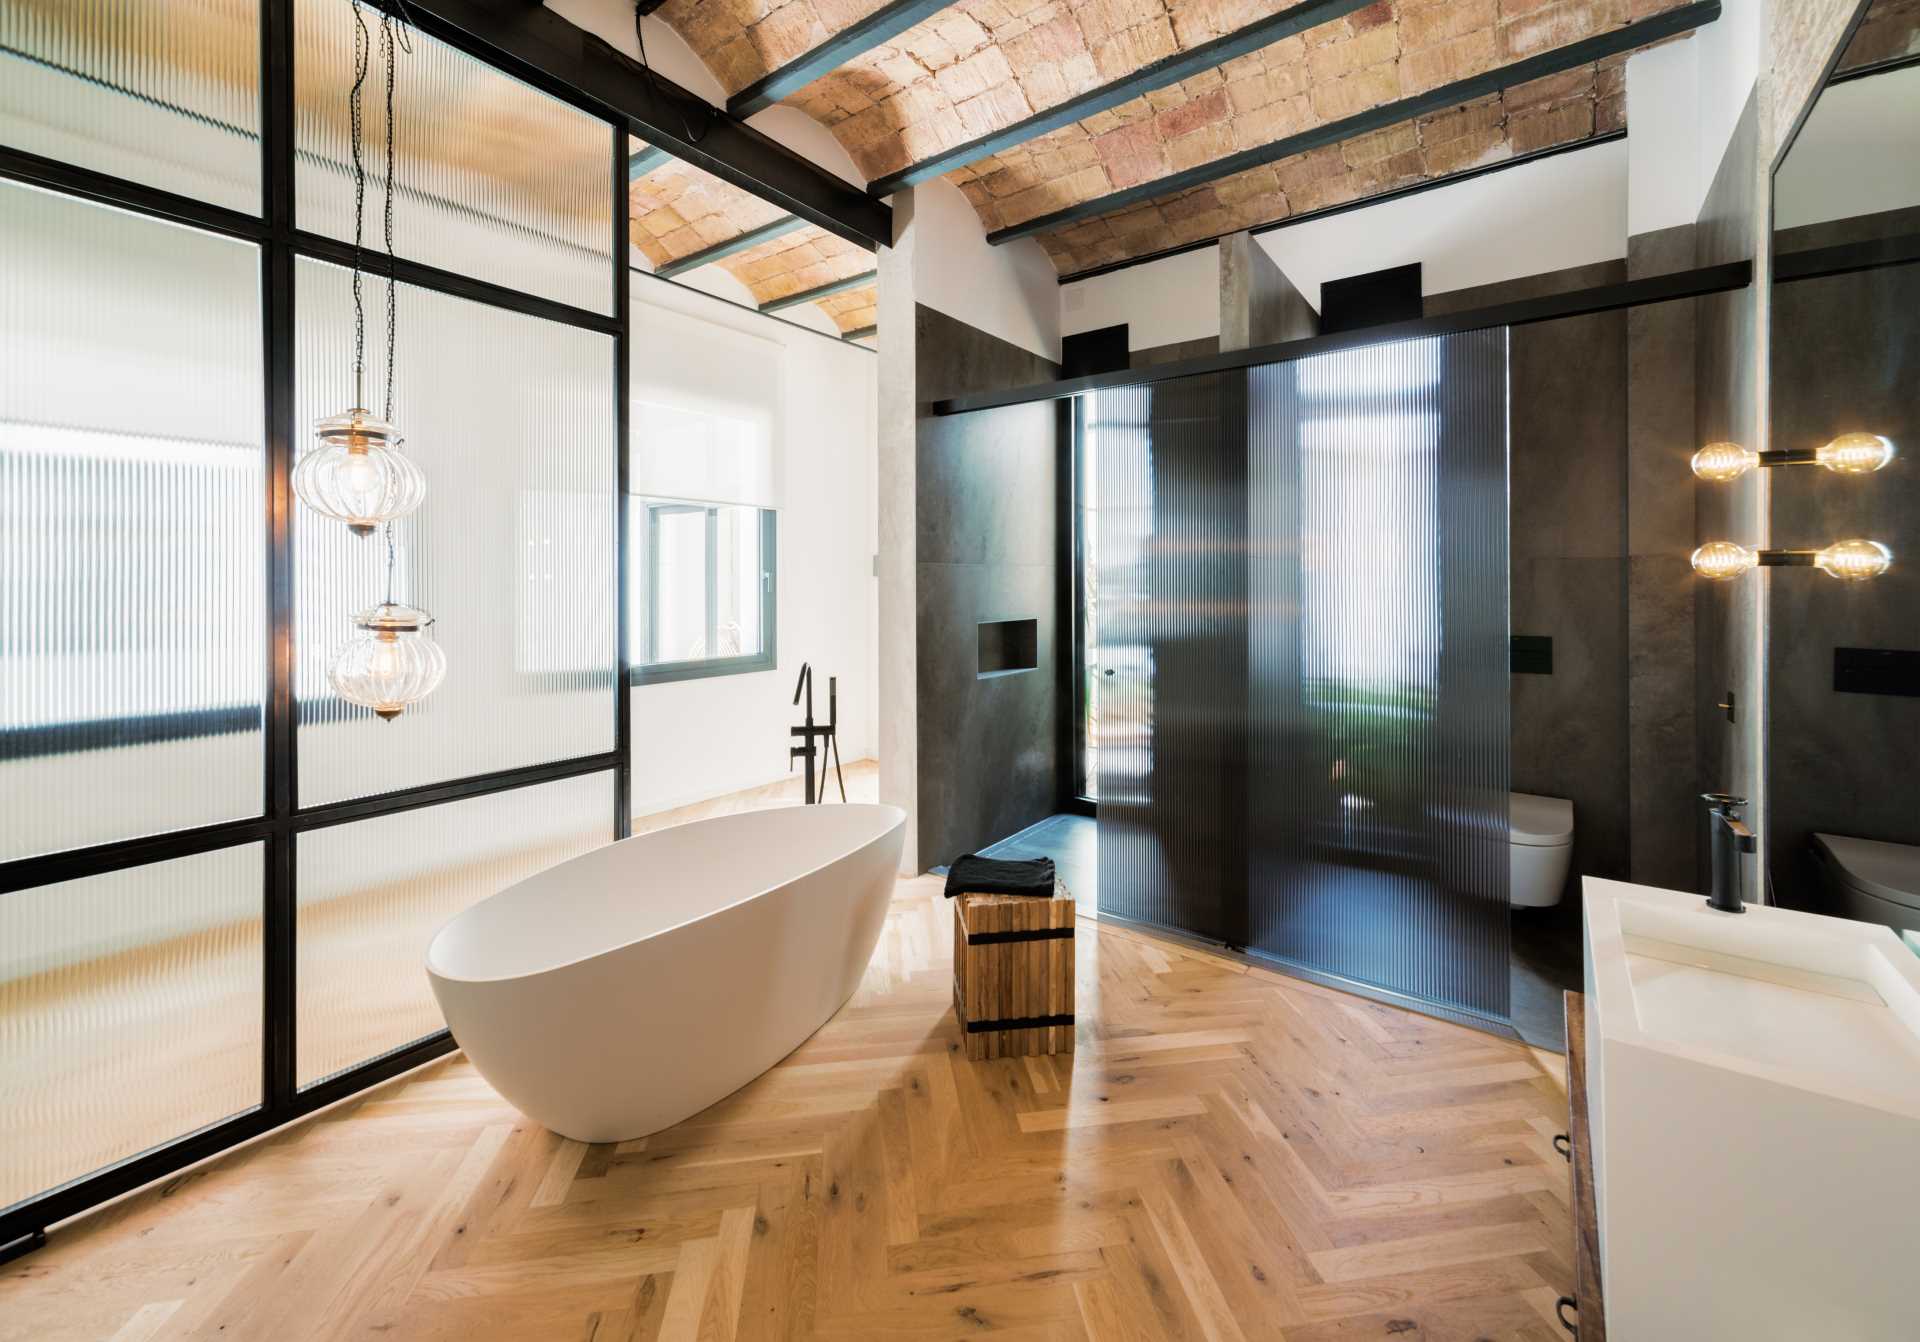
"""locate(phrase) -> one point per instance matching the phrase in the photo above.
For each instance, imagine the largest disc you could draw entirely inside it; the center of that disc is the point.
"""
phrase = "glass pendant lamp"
(357, 474)
(389, 663)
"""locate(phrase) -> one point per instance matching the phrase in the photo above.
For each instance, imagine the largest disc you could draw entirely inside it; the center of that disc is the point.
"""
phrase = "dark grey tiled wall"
(986, 507)
(1662, 803)
(1845, 356)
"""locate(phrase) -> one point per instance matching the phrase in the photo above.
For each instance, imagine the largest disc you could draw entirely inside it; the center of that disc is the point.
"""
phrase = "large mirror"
(1843, 652)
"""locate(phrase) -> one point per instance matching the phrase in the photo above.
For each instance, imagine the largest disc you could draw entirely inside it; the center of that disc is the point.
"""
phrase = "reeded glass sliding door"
(1304, 656)
(1379, 658)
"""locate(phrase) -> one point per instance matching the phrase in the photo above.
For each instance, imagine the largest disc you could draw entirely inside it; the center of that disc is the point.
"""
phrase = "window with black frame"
(702, 589)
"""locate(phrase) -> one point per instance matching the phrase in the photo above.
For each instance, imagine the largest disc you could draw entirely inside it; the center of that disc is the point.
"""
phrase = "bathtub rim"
(434, 970)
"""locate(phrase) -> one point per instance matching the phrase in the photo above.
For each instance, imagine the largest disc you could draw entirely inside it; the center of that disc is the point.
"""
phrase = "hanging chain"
(391, 34)
(356, 125)
(394, 32)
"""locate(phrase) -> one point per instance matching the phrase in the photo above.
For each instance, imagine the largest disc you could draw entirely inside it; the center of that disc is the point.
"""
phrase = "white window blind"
(707, 407)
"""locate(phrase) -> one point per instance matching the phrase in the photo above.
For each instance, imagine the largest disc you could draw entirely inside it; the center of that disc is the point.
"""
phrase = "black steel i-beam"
(884, 24)
(538, 46)
(827, 290)
(733, 246)
(1158, 75)
(1584, 52)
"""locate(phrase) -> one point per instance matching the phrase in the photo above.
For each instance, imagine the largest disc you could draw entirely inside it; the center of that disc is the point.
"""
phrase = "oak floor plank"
(1228, 1156)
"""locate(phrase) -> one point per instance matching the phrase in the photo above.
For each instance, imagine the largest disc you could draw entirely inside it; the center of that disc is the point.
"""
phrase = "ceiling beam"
(1679, 284)
(828, 290)
(860, 333)
(644, 162)
(753, 237)
(537, 45)
(1584, 52)
(1161, 73)
(885, 23)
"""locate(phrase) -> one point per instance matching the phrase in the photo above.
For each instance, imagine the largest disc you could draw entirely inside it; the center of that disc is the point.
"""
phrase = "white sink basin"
(1755, 1096)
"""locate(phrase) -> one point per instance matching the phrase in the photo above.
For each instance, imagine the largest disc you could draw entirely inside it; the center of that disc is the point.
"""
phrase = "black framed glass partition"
(217, 876)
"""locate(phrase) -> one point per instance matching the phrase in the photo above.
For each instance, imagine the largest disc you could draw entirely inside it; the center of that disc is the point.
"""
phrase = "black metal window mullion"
(622, 499)
(648, 669)
(281, 244)
(711, 615)
(279, 1044)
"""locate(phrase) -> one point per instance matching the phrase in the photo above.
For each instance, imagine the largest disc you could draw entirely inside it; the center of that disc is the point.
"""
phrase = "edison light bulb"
(357, 474)
(1724, 461)
(1721, 560)
(1854, 561)
(1855, 454)
(390, 663)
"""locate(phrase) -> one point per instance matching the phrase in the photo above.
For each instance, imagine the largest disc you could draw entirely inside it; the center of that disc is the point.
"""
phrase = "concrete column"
(1258, 303)
(1663, 807)
(898, 413)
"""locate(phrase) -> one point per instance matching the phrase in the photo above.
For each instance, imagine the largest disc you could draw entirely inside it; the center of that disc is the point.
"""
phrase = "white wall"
(703, 738)
(1858, 153)
(1161, 302)
(1009, 291)
(1686, 98)
(1567, 210)
(1664, 187)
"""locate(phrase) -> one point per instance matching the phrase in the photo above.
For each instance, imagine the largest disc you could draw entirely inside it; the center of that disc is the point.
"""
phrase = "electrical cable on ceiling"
(653, 82)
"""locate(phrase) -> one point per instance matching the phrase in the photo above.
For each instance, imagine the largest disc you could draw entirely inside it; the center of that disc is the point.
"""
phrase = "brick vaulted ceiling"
(679, 210)
(981, 66)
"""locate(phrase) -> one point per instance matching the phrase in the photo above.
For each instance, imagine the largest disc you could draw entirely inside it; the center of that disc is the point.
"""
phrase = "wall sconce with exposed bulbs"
(1849, 454)
(1849, 561)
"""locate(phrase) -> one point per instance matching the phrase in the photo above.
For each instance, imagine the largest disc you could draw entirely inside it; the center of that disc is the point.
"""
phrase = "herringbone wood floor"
(1229, 1155)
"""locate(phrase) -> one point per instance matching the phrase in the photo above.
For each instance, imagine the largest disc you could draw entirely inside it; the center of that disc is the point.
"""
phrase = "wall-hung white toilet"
(1870, 881)
(1540, 838)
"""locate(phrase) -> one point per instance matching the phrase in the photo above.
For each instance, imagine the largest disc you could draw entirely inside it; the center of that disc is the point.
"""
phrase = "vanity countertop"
(1755, 1102)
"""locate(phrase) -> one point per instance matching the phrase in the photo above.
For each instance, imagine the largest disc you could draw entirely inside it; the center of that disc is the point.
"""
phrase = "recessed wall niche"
(1007, 646)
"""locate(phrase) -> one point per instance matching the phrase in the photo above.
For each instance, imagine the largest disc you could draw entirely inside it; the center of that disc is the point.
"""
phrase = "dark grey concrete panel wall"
(1662, 801)
(1258, 303)
(1180, 349)
(1845, 357)
(1728, 615)
(986, 519)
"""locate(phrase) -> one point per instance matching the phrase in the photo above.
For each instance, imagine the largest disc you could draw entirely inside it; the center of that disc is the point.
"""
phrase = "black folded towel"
(976, 875)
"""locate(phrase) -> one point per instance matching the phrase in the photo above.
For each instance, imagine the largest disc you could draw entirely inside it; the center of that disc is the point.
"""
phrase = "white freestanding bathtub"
(628, 988)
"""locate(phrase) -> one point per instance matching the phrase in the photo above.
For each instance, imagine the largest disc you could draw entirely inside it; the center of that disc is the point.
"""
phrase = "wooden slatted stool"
(1013, 973)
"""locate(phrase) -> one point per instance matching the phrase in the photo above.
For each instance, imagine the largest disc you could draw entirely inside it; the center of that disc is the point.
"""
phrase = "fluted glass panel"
(512, 420)
(161, 92)
(1171, 632)
(496, 180)
(1302, 654)
(132, 505)
(129, 1013)
(1379, 661)
(373, 893)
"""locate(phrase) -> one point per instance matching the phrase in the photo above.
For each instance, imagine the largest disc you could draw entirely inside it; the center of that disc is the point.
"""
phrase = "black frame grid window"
(704, 589)
(217, 875)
